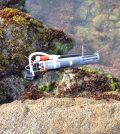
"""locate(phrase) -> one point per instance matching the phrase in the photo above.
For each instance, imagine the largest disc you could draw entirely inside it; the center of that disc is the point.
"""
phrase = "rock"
(60, 115)
(21, 34)
(71, 82)
(13, 86)
(3, 95)
(11, 89)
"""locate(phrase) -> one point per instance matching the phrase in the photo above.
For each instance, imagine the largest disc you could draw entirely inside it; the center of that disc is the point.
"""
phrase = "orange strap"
(42, 58)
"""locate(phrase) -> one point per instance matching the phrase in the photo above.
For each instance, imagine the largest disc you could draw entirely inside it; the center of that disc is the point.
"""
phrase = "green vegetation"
(99, 21)
(111, 82)
(75, 81)
(45, 87)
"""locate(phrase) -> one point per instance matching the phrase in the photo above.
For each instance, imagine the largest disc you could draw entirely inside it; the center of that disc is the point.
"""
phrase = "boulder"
(61, 116)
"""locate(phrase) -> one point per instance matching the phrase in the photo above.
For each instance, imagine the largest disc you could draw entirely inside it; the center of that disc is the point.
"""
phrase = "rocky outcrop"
(71, 82)
(12, 86)
(60, 115)
(75, 82)
(21, 34)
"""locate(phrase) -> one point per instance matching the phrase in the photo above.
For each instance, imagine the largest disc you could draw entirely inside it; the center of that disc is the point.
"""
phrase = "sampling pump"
(44, 62)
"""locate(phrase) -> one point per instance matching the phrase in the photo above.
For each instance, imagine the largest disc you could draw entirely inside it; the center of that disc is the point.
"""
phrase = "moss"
(113, 18)
(117, 25)
(115, 15)
(9, 12)
(45, 87)
(99, 21)
(14, 15)
(58, 48)
(12, 43)
(92, 70)
(116, 12)
(36, 22)
(85, 32)
(18, 17)
(26, 82)
(1, 34)
(111, 82)
(20, 20)
(3, 61)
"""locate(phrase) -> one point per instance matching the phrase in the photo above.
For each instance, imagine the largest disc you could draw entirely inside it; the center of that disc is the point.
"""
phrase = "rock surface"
(61, 116)
(82, 81)
(113, 70)
(20, 35)
(72, 82)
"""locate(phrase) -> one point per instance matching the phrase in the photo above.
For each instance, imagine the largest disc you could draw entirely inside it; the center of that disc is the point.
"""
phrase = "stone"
(20, 35)
(61, 116)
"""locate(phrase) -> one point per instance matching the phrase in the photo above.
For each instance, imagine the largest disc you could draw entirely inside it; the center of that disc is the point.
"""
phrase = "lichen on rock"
(72, 82)
(99, 21)
(20, 35)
